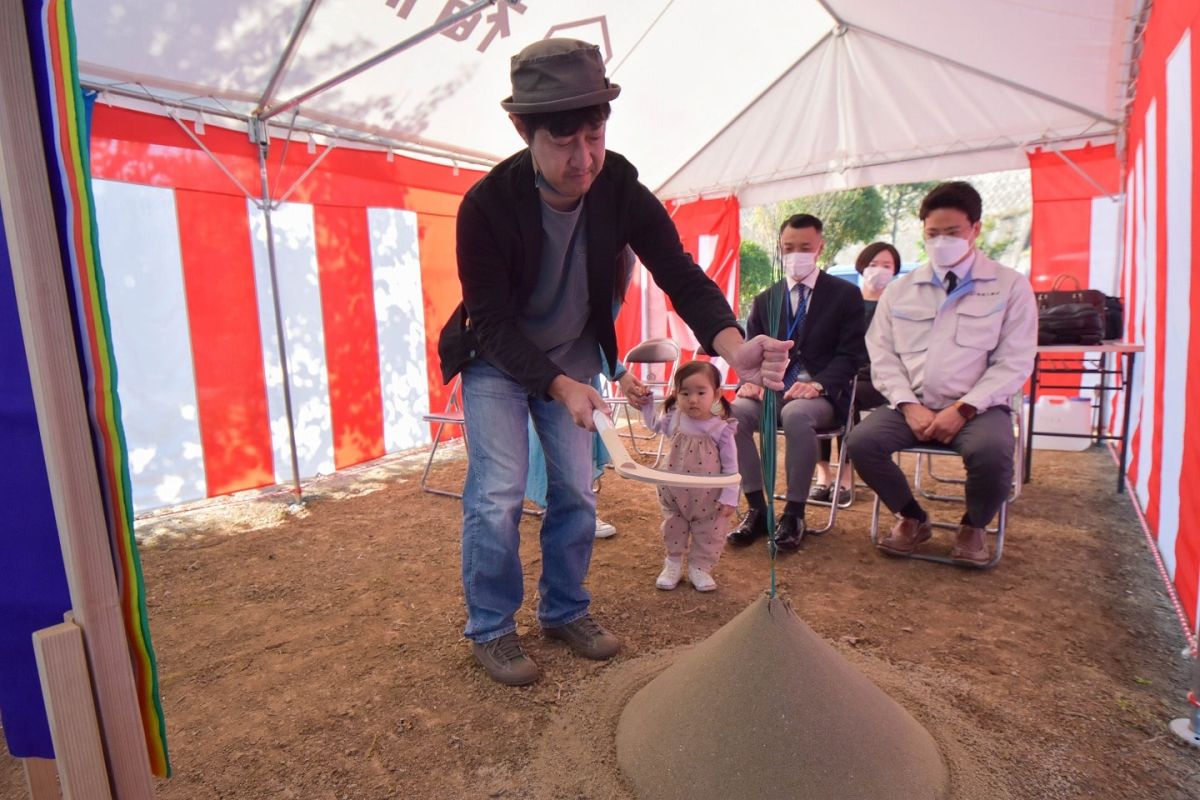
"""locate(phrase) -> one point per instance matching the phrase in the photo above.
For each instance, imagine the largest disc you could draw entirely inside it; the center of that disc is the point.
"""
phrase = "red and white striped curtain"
(711, 232)
(1161, 237)
(366, 276)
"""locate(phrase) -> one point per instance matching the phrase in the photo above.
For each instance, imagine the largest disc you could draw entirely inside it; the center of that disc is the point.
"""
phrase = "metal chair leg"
(997, 546)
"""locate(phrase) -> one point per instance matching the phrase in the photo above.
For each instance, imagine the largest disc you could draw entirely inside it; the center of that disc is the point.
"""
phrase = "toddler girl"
(697, 419)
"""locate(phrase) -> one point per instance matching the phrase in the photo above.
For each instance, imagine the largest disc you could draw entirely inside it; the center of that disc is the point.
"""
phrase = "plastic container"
(1062, 415)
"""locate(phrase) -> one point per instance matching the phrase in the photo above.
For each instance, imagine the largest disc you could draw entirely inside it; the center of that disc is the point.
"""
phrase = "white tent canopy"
(769, 99)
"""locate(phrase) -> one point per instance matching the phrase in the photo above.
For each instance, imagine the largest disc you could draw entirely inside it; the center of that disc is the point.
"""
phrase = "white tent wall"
(768, 100)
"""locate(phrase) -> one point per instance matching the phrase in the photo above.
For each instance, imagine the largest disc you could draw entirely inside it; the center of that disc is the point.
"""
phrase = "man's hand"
(633, 389)
(761, 360)
(918, 418)
(751, 391)
(802, 391)
(580, 399)
(945, 425)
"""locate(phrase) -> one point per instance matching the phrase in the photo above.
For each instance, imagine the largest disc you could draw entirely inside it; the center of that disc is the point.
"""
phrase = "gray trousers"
(800, 421)
(985, 443)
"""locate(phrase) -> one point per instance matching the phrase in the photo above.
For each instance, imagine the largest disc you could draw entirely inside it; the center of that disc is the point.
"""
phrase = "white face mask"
(799, 266)
(946, 251)
(876, 278)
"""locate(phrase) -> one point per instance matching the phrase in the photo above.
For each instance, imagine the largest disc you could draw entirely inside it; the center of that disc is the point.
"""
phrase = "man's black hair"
(958, 195)
(565, 123)
(802, 221)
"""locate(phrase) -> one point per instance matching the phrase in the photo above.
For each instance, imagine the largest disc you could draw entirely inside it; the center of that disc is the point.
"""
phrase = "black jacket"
(499, 255)
(830, 341)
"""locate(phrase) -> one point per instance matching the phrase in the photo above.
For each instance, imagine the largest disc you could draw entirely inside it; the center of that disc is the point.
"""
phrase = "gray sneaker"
(586, 638)
(505, 660)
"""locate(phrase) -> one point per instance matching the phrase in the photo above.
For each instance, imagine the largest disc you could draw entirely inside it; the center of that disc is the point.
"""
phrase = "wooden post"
(42, 300)
(71, 710)
(41, 778)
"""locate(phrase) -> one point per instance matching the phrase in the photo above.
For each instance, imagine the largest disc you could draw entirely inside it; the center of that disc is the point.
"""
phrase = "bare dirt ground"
(319, 654)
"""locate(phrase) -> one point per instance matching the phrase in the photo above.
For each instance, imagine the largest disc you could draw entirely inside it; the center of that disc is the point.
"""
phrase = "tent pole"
(289, 52)
(379, 58)
(1083, 174)
(259, 132)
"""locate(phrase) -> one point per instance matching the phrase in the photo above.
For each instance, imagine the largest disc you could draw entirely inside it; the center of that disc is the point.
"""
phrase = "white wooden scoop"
(626, 467)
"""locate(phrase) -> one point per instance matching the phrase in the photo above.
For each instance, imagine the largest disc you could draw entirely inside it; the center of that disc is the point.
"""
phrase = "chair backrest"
(655, 351)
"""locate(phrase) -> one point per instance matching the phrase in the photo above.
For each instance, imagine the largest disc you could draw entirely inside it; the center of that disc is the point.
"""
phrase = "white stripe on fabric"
(1102, 265)
(1150, 309)
(1122, 398)
(304, 334)
(400, 325)
(143, 277)
(1102, 252)
(1136, 254)
(1178, 175)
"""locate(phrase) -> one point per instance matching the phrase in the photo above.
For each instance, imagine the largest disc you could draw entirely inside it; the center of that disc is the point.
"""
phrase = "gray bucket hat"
(558, 75)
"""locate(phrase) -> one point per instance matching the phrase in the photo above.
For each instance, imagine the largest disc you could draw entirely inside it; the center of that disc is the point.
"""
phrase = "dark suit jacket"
(830, 341)
(499, 256)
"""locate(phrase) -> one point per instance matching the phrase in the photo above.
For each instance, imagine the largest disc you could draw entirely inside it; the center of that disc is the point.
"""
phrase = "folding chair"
(927, 450)
(451, 415)
(926, 459)
(843, 463)
(664, 352)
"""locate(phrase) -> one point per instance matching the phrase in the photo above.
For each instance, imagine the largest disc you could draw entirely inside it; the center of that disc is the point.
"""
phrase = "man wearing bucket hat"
(539, 240)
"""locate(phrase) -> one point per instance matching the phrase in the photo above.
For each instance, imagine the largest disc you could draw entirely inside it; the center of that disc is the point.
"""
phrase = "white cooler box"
(1061, 415)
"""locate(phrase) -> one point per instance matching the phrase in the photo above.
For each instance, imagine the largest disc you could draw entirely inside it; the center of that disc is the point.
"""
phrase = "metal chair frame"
(452, 415)
(926, 459)
(928, 451)
(843, 463)
(651, 351)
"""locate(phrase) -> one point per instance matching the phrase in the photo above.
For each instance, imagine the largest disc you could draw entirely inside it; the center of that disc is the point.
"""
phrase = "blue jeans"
(496, 409)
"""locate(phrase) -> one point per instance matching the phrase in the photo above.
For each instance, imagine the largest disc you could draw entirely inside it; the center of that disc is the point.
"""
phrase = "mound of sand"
(765, 708)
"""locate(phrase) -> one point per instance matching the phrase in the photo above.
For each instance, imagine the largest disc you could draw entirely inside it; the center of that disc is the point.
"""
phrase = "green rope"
(768, 423)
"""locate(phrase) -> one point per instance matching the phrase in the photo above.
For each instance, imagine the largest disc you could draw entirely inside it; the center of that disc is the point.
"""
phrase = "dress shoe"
(754, 526)
(844, 496)
(905, 537)
(970, 547)
(819, 492)
(789, 531)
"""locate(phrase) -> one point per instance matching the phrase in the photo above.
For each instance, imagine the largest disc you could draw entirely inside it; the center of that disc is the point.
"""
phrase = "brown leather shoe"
(970, 547)
(905, 537)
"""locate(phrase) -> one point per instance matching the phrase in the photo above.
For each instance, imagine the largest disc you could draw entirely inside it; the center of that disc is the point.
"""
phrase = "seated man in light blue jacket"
(950, 343)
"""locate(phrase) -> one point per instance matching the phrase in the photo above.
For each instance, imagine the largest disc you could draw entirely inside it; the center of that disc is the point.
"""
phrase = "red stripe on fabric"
(1187, 543)
(136, 147)
(441, 293)
(351, 337)
(231, 395)
(1154, 485)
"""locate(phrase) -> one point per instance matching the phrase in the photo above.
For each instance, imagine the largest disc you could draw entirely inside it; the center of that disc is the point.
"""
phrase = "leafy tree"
(756, 273)
(855, 215)
(902, 201)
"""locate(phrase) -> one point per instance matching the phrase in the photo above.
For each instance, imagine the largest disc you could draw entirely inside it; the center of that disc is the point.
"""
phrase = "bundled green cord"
(768, 423)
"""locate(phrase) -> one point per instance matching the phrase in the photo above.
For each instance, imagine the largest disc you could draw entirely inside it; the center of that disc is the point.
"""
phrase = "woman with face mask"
(877, 265)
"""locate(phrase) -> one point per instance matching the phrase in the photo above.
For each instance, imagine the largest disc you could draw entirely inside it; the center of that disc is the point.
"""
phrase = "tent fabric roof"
(768, 100)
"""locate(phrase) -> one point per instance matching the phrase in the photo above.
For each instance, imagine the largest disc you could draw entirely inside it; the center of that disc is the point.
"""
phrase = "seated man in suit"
(823, 316)
(950, 343)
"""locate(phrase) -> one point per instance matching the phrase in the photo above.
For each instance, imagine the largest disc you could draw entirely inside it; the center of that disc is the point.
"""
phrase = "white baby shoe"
(672, 571)
(701, 580)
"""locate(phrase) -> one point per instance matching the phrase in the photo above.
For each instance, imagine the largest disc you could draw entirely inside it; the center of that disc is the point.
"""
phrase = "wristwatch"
(966, 410)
